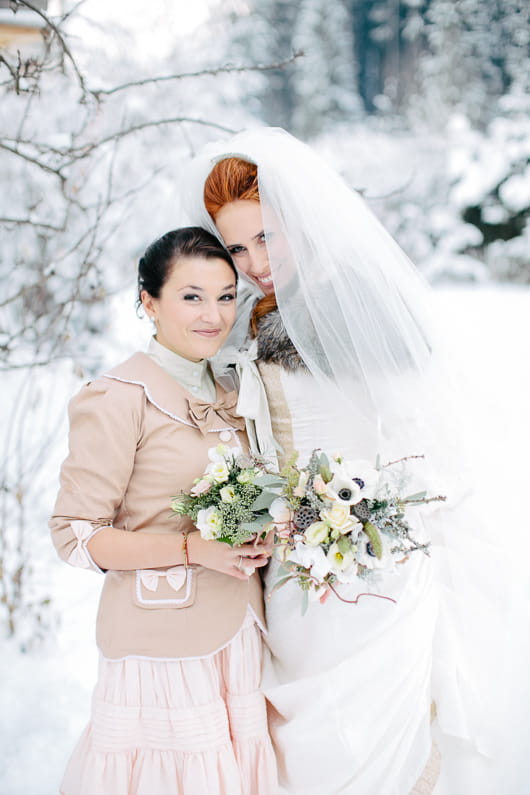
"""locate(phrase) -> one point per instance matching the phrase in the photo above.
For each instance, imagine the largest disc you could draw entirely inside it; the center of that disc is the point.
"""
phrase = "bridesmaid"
(176, 709)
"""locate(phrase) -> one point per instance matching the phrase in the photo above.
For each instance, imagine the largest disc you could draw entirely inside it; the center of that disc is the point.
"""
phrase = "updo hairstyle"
(154, 268)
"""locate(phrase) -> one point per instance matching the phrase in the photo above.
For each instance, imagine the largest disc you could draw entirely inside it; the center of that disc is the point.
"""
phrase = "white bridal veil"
(360, 316)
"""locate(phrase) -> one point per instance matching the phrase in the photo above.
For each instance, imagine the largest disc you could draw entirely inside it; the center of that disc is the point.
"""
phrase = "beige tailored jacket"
(138, 438)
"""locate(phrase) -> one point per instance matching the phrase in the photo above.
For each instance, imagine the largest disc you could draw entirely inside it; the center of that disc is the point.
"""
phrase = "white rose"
(339, 518)
(228, 494)
(317, 533)
(218, 471)
(209, 522)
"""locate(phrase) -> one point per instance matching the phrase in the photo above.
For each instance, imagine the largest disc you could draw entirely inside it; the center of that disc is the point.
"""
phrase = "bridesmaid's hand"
(238, 562)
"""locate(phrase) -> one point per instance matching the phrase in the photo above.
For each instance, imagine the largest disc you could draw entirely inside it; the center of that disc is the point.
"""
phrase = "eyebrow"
(201, 289)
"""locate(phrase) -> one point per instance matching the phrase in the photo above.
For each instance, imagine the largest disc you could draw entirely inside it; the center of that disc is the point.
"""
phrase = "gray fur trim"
(275, 346)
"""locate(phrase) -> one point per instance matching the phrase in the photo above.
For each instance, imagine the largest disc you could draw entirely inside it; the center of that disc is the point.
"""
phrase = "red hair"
(234, 179)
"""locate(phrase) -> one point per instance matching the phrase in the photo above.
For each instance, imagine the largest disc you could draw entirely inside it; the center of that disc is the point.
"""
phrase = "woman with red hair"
(341, 356)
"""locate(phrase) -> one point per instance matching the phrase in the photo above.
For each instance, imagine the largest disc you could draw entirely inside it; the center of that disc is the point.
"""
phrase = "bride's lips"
(263, 281)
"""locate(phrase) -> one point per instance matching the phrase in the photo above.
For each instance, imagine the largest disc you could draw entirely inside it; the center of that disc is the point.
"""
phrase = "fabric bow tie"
(216, 416)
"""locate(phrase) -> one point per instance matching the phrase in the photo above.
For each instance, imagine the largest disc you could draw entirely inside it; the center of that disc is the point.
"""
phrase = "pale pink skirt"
(178, 727)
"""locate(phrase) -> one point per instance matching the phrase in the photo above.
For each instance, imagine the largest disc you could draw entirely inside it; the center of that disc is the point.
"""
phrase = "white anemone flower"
(366, 556)
(353, 481)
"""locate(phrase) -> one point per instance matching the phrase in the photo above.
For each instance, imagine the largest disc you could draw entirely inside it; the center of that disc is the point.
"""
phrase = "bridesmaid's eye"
(191, 297)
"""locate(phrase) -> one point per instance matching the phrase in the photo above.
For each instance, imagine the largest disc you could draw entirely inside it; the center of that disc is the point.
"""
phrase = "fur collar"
(274, 345)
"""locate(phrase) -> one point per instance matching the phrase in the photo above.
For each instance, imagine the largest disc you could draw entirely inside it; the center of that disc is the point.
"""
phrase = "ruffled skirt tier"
(178, 727)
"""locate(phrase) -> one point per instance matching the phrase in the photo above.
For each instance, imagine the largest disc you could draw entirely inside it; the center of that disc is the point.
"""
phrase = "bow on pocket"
(176, 577)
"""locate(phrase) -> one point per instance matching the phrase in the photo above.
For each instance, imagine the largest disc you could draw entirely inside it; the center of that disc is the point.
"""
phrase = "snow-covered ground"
(45, 693)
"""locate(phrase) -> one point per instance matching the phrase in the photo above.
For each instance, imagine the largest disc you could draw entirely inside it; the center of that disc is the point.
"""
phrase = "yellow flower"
(317, 533)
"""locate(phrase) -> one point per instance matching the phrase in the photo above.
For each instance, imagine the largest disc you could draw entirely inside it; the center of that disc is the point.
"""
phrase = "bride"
(346, 360)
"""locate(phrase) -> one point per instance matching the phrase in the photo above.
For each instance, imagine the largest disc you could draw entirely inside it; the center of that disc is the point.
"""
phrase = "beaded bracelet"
(185, 548)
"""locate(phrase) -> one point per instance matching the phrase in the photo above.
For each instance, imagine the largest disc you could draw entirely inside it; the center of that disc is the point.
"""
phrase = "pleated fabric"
(178, 727)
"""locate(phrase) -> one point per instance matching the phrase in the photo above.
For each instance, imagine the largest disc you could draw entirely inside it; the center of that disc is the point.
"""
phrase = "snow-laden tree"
(90, 150)
(478, 50)
(324, 80)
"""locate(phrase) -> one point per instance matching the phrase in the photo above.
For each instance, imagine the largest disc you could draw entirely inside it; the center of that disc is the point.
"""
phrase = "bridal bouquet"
(230, 501)
(337, 521)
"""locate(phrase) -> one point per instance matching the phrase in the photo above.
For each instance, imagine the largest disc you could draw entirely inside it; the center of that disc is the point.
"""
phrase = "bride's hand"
(239, 562)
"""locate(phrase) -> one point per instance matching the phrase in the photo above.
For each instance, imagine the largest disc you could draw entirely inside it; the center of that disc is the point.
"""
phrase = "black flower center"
(345, 494)
(370, 550)
(360, 482)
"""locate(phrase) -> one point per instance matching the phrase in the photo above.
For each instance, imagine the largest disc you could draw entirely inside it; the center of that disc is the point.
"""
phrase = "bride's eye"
(235, 250)
(191, 297)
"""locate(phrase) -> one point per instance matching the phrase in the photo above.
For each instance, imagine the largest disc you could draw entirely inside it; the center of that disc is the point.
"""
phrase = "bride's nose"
(258, 263)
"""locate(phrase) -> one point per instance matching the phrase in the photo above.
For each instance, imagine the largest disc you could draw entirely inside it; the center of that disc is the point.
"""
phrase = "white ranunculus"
(313, 558)
(228, 494)
(317, 533)
(209, 522)
(218, 471)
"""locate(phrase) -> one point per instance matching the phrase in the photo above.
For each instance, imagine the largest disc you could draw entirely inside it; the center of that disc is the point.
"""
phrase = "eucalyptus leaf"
(268, 480)
(254, 527)
(419, 496)
(263, 501)
(278, 584)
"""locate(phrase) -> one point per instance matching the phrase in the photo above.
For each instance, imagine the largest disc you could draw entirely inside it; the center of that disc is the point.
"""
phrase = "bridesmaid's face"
(241, 226)
(196, 308)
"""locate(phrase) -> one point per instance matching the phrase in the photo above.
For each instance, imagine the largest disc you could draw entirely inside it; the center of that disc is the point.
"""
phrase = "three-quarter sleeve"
(105, 424)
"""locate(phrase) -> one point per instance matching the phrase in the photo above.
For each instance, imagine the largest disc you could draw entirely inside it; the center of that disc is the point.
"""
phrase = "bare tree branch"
(31, 222)
(39, 163)
(201, 73)
(60, 39)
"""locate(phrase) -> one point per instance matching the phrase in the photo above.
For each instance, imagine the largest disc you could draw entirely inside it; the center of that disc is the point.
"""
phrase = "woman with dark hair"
(341, 356)
(176, 708)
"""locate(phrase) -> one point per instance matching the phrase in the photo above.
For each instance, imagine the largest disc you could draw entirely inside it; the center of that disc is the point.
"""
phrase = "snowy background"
(441, 154)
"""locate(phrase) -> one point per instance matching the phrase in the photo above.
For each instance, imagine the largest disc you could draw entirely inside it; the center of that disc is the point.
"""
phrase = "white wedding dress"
(350, 685)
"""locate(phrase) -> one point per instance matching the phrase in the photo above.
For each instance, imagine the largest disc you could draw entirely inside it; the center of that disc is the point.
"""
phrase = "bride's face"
(241, 227)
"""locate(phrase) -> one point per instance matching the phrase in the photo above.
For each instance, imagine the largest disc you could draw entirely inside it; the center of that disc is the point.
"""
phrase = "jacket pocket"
(165, 588)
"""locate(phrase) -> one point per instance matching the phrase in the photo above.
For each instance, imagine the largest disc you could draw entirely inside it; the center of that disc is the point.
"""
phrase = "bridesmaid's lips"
(208, 332)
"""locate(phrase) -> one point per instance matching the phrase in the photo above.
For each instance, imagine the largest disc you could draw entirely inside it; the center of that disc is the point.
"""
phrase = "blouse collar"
(193, 376)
